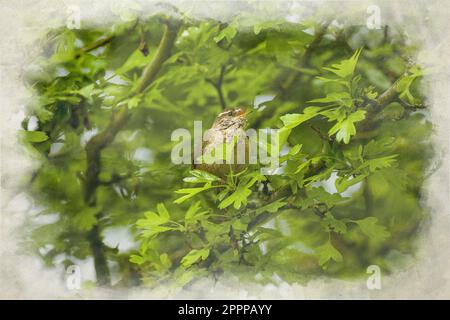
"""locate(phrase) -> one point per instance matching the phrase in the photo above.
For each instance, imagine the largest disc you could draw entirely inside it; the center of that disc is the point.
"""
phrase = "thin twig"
(95, 45)
(101, 42)
(218, 86)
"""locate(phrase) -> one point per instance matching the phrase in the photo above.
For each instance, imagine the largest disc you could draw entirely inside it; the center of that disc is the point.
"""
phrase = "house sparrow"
(227, 125)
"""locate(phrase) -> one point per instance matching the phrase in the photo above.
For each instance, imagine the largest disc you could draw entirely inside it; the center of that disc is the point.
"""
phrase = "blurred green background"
(87, 75)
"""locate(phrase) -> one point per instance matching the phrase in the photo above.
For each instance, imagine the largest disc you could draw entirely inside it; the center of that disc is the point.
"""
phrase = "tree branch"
(101, 42)
(366, 128)
(388, 96)
(95, 45)
(162, 53)
(218, 87)
(100, 141)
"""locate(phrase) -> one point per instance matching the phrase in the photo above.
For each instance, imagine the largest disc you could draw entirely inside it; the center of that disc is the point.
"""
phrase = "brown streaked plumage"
(229, 123)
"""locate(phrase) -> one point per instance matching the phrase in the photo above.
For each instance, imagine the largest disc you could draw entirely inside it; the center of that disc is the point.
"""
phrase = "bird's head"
(231, 117)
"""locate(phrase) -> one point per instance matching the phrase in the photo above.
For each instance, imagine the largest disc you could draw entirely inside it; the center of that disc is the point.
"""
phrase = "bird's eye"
(230, 113)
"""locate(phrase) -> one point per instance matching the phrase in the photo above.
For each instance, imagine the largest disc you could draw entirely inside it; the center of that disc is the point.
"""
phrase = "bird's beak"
(243, 112)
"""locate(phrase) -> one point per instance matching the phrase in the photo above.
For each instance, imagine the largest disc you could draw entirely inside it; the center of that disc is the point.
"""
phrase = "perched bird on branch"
(227, 129)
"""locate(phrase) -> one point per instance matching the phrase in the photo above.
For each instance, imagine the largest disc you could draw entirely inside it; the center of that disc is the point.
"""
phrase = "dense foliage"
(354, 149)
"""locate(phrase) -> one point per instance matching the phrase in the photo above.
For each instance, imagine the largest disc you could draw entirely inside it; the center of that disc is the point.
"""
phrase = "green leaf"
(354, 152)
(242, 192)
(346, 128)
(134, 102)
(135, 60)
(152, 224)
(229, 32)
(292, 120)
(327, 252)
(151, 219)
(283, 135)
(335, 114)
(295, 149)
(190, 192)
(199, 176)
(319, 195)
(44, 115)
(258, 27)
(403, 86)
(332, 224)
(85, 220)
(380, 163)
(165, 260)
(137, 259)
(237, 198)
(194, 256)
(338, 81)
(163, 213)
(87, 91)
(306, 164)
(34, 136)
(340, 98)
(376, 147)
(345, 68)
(342, 183)
(193, 213)
(154, 230)
(371, 228)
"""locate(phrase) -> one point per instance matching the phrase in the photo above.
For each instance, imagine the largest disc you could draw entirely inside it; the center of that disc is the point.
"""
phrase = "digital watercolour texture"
(224, 149)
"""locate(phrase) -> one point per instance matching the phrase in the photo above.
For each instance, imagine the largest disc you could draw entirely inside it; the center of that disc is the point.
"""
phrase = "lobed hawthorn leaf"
(327, 252)
(237, 198)
(338, 98)
(345, 68)
(194, 256)
(190, 192)
(380, 163)
(320, 195)
(242, 192)
(163, 213)
(199, 176)
(376, 147)
(332, 224)
(370, 227)
(193, 213)
(293, 120)
(344, 129)
(85, 220)
(151, 219)
(154, 230)
(153, 223)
